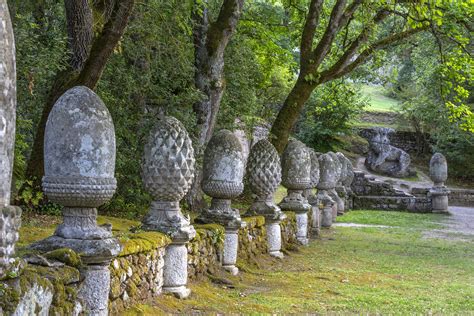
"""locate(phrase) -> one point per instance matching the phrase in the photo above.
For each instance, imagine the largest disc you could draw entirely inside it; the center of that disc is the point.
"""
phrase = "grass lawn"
(378, 101)
(351, 270)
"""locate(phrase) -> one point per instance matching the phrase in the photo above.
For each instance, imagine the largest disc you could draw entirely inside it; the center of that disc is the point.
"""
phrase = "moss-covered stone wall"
(205, 250)
(136, 274)
(41, 290)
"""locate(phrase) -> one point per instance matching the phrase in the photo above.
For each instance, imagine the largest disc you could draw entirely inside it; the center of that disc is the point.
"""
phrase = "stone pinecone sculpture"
(264, 169)
(168, 162)
(296, 166)
(223, 167)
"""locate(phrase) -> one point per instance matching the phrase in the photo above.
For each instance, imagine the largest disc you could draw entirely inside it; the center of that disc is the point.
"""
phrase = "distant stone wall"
(461, 197)
(393, 203)
(205, 250)
(406, 140)
(373, 194)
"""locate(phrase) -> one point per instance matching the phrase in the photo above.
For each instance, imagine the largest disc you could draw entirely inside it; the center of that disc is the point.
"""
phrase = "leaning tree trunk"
(289, 113)
(85, 66)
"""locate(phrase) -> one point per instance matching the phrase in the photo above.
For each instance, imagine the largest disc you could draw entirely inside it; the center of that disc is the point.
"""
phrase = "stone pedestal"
(439, 192)
(274, 238)
(231, 247)
(302, 228)
(327, 214)
(326, 191)
(79, 174)
(315, 220)
(97, 255)
(10, 216)
(439, 199)
(175, 273)
(168, 168)
(94, 289)
(342, 205)
(223, 171)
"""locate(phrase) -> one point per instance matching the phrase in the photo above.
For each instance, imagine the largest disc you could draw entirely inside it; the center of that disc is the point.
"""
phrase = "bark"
(289, 113)
(79, 30)
(210, 41)
(90, 69)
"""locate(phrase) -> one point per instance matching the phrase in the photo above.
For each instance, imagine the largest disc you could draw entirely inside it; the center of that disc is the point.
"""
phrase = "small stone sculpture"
(264, 176)
(439, 192)
(79, 174)
(385, 158)
(296, 177)
(309, 194)
(168, 173)
(338, 208)
(10, 216)
(327, 182)
(223, 171)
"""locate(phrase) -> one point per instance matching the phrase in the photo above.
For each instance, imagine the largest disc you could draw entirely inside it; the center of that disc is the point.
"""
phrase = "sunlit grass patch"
(352, 270)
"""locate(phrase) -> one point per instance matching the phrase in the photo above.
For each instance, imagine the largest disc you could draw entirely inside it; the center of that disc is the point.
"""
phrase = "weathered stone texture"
(370, 193)
(385, 158)
(296, 176)
(223, 171)
(10, 221)
(7, 103)
(438, 169)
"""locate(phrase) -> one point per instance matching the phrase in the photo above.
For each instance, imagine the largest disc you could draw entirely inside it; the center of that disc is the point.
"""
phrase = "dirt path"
(459, 225)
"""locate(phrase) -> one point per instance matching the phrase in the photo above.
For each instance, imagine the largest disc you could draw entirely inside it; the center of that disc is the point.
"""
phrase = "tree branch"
(354, 46)
(79, 31)
(105, 43)
(367, 53)
(221, 29)
(311, 23)
(339, 17)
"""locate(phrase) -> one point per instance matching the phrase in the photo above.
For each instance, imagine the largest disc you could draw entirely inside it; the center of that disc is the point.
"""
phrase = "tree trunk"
(82, 71)
(289, 113)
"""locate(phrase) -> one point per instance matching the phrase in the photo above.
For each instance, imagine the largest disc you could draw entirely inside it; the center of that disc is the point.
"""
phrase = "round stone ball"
(263, 168)
(79, 150)
(296, 166)
(168, 161)
(438, 168)
(223, 167)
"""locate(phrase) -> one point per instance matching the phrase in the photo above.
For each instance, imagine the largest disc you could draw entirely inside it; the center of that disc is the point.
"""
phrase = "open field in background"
(378, 100)
(392, 270)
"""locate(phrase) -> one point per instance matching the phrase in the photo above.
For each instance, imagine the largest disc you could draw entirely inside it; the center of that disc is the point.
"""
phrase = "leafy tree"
(338, 36)
(328, 113)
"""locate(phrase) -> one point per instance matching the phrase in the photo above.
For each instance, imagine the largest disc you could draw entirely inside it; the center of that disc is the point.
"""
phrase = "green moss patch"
(254, 221)
(143, 242)
(65, 255)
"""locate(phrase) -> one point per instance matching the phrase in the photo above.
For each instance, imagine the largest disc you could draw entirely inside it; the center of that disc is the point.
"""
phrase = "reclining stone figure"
(384, 158)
